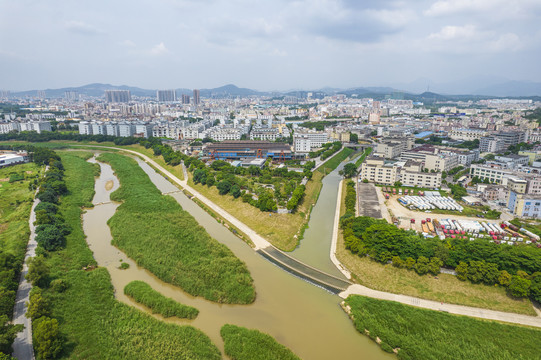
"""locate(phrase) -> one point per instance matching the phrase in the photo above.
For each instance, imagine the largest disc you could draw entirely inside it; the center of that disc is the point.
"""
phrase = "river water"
(303, 317)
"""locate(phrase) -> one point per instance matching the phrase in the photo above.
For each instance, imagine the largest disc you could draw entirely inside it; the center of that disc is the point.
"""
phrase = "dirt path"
(22, 346)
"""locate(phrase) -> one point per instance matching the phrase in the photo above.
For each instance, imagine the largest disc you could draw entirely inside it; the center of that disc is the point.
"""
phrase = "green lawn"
(335, 161)
(160, 236)
(93, 323)
(427, 334)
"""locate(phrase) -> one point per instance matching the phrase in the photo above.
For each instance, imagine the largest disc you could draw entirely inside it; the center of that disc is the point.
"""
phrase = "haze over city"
(449, 45)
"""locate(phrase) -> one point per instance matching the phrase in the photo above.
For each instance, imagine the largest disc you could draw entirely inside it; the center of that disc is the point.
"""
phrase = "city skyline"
(270, 46)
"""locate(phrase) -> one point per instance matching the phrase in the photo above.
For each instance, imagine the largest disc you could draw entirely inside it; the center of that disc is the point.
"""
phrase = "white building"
(85, 128)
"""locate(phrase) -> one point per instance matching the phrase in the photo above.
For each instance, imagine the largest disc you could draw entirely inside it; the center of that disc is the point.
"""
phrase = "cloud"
(455, 32)
(500, 8)
(80, 27)
(469, 39)
(159, 50)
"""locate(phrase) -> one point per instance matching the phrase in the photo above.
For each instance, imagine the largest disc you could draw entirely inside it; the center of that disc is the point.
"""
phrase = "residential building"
(196, 98)
(491, 144)
(166, 95)
(317, 138)
(493, 172)
(432, 158)
(185, 99)
(511, 137)
(125, 130)
(98, 128)
(85, 128)
(533, 155)
(512, 161)
(117, 96)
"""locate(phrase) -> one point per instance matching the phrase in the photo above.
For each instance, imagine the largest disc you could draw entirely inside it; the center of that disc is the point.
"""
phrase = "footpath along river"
(303, 317)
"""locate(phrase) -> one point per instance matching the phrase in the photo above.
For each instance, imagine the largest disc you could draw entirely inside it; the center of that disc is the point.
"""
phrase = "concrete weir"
(306, 272)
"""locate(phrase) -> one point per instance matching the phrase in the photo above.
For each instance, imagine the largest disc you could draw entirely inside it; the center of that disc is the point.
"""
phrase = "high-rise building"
(4, 94)
(185, 99)
(196, 99)
(117, 96)
(71, 95)
(166, 95)
(41, 94)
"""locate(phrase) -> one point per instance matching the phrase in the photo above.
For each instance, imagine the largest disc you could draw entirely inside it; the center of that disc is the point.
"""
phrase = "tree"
(421, 267)
(462, 271)
(535, 288)
(398, 262)
(504, 278)
(354, 138)
(8, 332)
(350, 170)
(38, 306)
(519, 287)
(46, 337)
(50, 237)
(47, 195)
(38, 271)
(223, 187)
(410, 263)
(235, 191)
(397, 184)
(435, 265)
(7, 297)
(47, 206)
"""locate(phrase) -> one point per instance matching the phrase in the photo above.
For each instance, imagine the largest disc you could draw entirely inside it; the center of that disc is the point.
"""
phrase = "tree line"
(515, 267)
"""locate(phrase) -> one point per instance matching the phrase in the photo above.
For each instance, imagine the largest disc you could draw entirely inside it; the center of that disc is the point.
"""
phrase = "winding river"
(303, 317)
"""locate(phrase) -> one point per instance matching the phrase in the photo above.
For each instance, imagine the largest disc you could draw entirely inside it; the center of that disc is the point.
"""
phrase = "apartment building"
(467, 134)
(393, 148)
(511, 137)
(493, 172)
(491, 144)
(432, 158)
(266, 134)
(307, 141)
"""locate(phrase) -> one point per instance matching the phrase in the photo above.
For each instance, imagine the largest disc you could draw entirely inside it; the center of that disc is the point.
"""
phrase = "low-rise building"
(491, 144)
(467, 134)
(524, 205)
(409, 173)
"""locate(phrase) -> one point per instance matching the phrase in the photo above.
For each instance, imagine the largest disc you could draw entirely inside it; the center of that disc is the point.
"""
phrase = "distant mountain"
(229, 90)
(475, 85)
(95, 89)
(512, 88)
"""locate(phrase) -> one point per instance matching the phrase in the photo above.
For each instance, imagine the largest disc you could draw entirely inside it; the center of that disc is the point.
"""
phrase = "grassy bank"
(445, 288)
(160, 236)
(15, 204)
(142, 293)
(279, 229)
(94, 324)
(245, 344)
(426, 334)
(335, 161)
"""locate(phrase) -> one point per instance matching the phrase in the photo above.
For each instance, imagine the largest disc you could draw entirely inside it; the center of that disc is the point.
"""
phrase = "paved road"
(22, 346)
(368, 200)
(357, 289)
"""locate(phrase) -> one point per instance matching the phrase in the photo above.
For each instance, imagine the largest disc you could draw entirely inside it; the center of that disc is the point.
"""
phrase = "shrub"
(47, 340)
(519, 287)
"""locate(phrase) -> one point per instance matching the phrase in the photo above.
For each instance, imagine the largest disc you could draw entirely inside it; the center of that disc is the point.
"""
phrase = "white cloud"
(455, 32)
(506, 42)
(159, 50)
(82, 28)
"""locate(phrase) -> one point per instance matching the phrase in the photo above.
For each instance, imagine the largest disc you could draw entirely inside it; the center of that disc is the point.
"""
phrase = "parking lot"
(368, 200)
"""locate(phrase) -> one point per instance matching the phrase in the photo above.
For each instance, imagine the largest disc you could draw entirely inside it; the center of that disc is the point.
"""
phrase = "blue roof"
(423, 134)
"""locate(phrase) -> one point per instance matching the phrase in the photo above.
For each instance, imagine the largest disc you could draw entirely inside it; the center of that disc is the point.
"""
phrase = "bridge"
(305, 272)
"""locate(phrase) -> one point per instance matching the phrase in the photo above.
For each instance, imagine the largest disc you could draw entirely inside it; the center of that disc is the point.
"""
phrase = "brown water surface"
(303, 317)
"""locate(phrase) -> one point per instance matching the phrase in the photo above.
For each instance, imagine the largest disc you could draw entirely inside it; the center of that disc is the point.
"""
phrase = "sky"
(267, 44)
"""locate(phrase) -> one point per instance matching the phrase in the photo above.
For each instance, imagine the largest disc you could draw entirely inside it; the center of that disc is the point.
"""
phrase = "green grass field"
(142, 293)
(245, 344)
(335, 161)
(94, 324)
(160, 236)
(426, 334)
